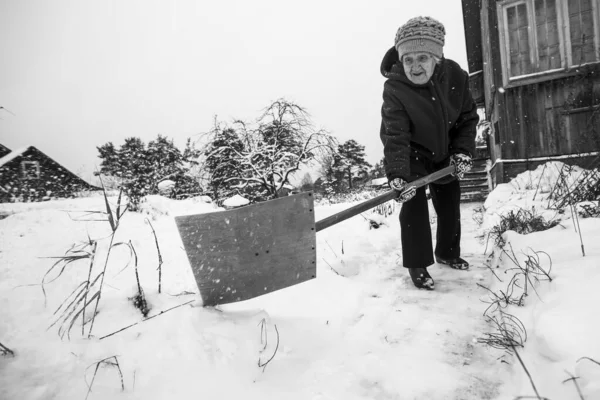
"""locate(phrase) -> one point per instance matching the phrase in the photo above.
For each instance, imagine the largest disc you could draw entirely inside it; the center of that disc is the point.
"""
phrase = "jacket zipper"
(443, 132)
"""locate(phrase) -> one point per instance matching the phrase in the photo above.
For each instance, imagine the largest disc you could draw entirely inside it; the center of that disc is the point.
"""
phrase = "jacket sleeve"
(395, 135)
(462, 135)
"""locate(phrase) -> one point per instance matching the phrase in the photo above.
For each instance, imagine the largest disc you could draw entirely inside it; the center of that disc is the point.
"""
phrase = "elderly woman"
(428, 122)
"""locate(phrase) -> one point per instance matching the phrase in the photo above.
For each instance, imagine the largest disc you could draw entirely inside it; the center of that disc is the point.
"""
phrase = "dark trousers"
(417, 247)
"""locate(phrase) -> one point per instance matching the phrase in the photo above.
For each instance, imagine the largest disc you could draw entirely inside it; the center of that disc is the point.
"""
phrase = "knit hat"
(420, 34)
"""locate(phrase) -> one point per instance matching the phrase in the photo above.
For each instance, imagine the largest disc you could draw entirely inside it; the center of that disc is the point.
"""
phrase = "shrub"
(521, 221)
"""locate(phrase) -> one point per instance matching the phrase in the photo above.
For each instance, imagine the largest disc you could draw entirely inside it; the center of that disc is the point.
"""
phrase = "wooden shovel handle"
(382, 198)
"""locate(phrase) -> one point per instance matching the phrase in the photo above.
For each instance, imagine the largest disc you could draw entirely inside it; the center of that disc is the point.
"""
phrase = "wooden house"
(28, 174)
(535, 68)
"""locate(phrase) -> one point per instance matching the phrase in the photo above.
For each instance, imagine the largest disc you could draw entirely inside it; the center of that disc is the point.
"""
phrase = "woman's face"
(418, 67)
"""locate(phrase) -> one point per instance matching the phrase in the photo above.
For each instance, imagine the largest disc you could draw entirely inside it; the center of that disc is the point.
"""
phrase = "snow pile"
(236, 201)
(359, 331)
(166, 186)
(546, 291)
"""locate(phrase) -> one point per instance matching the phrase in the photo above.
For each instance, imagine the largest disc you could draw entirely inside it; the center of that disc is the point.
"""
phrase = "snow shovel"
(243, 253)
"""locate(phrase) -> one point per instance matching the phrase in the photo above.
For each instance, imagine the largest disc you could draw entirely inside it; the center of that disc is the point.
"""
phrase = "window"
(30, 169)
(543, 36)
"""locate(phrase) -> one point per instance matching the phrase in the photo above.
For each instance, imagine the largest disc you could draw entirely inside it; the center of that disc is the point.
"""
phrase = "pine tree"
(350, 163)
(378, 170)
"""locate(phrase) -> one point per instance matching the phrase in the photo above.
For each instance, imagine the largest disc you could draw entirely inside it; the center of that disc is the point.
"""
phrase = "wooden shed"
(535, 68)
(28, 174)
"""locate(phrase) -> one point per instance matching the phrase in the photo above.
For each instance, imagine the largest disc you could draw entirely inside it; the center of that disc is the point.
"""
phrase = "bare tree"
(258, 159)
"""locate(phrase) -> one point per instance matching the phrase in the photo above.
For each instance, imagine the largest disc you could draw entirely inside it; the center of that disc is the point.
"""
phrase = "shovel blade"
(250, 251)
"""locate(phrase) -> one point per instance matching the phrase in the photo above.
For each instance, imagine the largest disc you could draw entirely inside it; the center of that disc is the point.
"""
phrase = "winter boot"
(421, 278)
(455, 263)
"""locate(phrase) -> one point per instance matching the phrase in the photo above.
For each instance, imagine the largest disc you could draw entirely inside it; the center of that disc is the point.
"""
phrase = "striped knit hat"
(420, 34)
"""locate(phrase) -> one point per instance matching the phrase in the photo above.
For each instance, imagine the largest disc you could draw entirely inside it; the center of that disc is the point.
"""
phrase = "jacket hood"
(392, 69)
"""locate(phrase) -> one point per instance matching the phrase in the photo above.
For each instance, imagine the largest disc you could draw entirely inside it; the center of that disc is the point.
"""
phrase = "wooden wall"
(548, 118)
(551, 118)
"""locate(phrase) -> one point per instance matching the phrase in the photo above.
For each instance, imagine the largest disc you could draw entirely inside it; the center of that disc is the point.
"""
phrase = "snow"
(12, 155)
(166, 186)
(236, 201)
(360, 330)
(378, 182)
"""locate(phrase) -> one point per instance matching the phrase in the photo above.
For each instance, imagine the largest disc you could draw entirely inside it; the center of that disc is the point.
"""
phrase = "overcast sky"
(80, 73)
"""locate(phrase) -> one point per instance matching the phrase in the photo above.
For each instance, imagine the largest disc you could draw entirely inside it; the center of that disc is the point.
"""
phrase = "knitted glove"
(462, 163)
(406, 192)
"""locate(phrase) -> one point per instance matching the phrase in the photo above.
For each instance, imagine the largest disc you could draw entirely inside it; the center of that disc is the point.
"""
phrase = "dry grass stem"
(160, 260)
(146, 319)
(107, 361)
(139, 300)
(263, 338)
(333, 269)
(98, 295)
(528, 375)
(574, 380)
(589, 359)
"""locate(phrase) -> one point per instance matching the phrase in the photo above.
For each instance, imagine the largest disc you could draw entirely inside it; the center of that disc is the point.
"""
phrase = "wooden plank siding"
(550, 118)
(555, 110)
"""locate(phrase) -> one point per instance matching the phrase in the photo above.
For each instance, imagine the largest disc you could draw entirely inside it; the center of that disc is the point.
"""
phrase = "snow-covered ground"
(360, 330)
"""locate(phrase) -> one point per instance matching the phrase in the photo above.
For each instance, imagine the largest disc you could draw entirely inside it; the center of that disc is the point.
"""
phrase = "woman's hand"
(462, 163)
(406, 192)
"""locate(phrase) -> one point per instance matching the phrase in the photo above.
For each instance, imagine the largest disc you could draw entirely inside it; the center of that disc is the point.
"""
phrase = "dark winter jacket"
(436, 119)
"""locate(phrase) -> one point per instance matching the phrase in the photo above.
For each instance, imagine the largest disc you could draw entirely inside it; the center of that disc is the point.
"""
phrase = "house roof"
(19, 152)
(13, 154)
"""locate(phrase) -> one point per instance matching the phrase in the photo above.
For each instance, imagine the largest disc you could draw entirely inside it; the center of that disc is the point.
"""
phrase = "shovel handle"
(382, 198)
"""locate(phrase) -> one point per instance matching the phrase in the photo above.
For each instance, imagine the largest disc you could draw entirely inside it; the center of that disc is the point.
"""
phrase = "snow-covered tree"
(140, 168)
(378, 170)
(257, 159)
(349, 162)
(221, 159)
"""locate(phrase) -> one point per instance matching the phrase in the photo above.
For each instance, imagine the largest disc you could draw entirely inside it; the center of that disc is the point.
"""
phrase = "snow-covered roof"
(378, 182)
(12, 155)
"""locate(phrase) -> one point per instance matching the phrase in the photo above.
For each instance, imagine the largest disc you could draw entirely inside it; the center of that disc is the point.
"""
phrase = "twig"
(146, 319)
(5, 350)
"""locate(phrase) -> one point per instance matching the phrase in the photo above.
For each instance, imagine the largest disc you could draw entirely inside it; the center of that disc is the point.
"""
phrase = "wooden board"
(250, 251)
